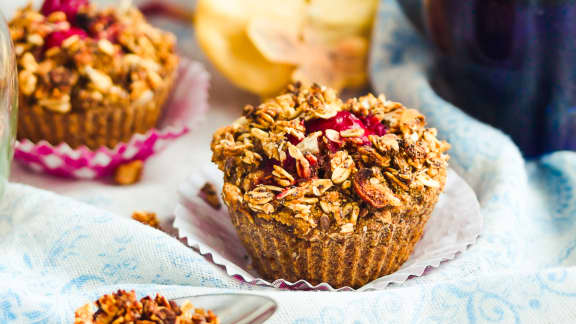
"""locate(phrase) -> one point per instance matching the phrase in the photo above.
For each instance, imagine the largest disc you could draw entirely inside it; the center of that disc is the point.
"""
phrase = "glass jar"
(8, 103)
(509, 63)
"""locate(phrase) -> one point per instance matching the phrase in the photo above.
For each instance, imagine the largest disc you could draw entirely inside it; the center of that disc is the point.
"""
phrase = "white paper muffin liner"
(454, 225)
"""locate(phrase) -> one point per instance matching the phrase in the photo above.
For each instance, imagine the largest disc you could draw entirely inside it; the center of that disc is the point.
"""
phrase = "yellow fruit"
(341, 18)
(262, 45)
(221, 29)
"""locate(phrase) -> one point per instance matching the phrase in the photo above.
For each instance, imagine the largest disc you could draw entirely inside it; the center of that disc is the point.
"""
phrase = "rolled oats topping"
(72, 56)
(316, 164)
(122, 307)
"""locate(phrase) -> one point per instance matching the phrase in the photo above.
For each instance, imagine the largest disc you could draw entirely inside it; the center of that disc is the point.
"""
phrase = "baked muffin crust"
(321, 167)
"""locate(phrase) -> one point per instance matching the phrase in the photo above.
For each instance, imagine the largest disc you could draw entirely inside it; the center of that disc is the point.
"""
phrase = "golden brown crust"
(326, 181)
(91, 90)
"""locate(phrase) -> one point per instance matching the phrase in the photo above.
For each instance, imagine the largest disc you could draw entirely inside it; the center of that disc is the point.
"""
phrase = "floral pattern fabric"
(57, 253)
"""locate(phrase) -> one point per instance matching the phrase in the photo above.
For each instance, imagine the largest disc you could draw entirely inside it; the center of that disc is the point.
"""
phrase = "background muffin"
(87, 76)
(328, 191)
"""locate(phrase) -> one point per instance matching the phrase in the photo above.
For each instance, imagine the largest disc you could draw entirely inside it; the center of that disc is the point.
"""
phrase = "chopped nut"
(35, 39)
(59, 105)
(129, 173)
(342, 166)
(427, 181)
(106, 47)
(347, 228)
(57, 16)
(209, 195)
(310, 143)
(101, 81)
(154, 79)
(354, 214)
(385, 143)
(352, 132)
(326, 111)
(283, 177)
(146, 218)
(346, 184)
(27, 81)
(144, 98)
(333, 135)
(72, 43)
(29, 63)
(320, 186)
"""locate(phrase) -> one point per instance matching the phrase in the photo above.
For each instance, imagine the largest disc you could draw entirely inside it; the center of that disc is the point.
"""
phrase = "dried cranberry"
(111, 33)
(289, 164)
(55, 39)
(333, 146)
(69, 7)
(293, 139)
(345, 120)
(342, 121)
(374, 125)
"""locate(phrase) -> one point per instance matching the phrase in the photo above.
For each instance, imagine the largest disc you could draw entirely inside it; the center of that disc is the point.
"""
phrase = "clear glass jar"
(8, 103)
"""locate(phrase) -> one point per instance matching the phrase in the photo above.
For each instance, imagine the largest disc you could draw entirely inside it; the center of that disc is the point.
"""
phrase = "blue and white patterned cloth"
(57, 254)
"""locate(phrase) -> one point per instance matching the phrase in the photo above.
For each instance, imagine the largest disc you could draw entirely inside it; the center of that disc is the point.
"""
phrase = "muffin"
(329, 191)
(88, 76)
(123, 307)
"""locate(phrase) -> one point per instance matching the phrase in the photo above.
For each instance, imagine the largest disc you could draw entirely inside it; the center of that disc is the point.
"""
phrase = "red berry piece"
(69, 7)
(345, 120)
(55, 39)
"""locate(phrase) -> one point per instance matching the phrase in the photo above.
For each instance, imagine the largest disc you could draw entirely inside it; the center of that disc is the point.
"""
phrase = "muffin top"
(72, 56)
(319, 165)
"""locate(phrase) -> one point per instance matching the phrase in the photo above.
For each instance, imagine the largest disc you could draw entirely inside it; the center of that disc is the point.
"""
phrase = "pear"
(262, 45)
(221, 30)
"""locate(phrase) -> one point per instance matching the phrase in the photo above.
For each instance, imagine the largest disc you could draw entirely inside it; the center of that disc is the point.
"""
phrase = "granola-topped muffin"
(123, 307)
(329, 191)
(89, 76)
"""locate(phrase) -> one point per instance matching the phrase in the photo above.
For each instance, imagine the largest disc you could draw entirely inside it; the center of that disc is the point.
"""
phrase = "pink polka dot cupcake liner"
(186, 107)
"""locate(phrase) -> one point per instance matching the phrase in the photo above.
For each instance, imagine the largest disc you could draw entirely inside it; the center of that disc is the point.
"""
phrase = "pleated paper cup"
(93, 143)
(264, 252)
(341, 260)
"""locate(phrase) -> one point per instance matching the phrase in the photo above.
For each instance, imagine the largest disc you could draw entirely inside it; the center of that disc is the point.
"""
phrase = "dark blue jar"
(510, 63)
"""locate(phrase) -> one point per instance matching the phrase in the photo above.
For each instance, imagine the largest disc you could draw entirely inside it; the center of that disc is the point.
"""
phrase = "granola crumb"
(146, 218)
(129, 173)
(210, 196)
(122, 307)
